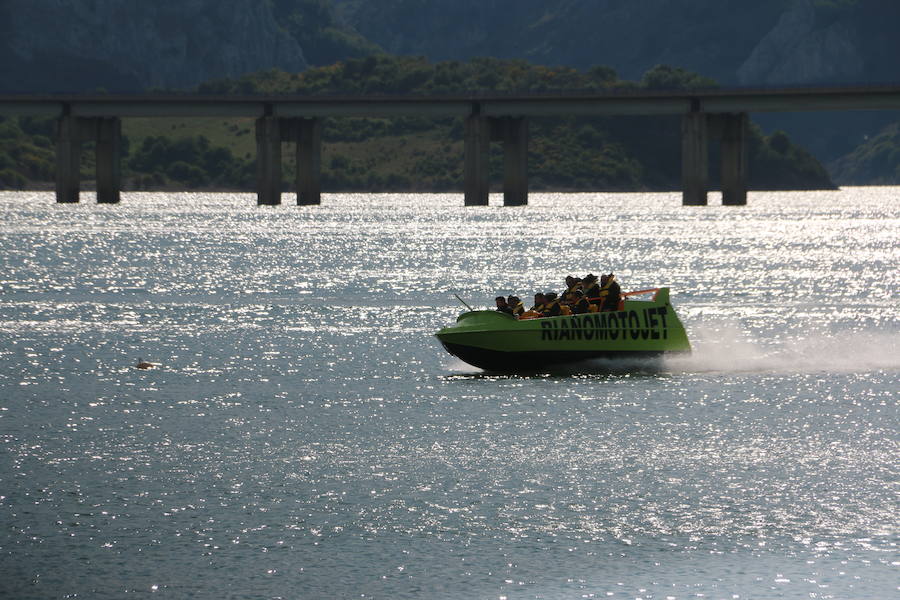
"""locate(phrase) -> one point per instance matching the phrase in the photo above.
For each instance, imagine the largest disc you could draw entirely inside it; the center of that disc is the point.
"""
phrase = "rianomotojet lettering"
(648, 323)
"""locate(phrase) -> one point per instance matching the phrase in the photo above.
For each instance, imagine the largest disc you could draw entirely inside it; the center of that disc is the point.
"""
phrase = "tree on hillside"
(666, 77)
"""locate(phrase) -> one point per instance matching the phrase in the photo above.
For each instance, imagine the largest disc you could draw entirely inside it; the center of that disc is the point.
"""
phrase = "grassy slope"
(235, 134)
(371, 163)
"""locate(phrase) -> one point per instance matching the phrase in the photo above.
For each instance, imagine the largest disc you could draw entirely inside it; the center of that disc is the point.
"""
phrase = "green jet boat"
(495, 341)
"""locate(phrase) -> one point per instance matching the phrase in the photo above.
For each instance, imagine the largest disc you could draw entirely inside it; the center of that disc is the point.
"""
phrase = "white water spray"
(728, 348)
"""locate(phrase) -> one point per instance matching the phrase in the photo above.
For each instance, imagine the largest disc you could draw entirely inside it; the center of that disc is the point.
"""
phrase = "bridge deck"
(886, 97)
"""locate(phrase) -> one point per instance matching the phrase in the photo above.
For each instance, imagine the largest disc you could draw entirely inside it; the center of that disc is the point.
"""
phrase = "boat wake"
(728, 348)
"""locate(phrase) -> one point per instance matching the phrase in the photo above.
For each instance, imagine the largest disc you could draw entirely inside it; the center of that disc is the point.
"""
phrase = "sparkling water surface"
(305, 436)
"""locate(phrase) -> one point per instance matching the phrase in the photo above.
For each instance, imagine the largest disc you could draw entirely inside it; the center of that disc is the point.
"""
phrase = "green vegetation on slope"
(187, 159)
(413, 153)
(876, 162)
(26, 152)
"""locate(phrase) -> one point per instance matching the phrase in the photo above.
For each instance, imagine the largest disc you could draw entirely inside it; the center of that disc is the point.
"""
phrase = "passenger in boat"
(502, 305)
(611, 293)
(572, 284)
(603, 291)
(518, 309)
(539, 302)
(581, 306)
(592, 292)
(551, 306)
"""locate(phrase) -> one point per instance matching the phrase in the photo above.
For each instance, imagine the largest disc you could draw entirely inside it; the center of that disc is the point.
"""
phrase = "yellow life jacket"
(605, 294)
(549, 307)
(604, 291)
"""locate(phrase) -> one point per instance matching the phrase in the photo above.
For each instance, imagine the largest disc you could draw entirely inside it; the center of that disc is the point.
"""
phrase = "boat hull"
(494, 360)
(495, 341)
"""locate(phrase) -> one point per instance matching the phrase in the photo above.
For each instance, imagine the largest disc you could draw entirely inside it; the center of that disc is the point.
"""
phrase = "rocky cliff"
(801, 49)
(711, 37)
(82, 45)
(764, 42)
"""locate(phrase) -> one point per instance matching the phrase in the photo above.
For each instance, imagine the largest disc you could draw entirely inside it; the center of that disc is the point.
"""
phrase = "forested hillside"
(611, 153)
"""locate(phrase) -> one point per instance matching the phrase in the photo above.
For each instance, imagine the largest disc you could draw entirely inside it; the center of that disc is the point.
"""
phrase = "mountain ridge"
(82, 45)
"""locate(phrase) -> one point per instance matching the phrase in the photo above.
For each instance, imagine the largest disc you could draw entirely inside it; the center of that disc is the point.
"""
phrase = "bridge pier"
(106, 133)
(108, 151)
(68, 159)
(514, 133)
(479, 133)
(731, 130)
(307, 134)
(309, 161)
(694, 159)
(476, 171)
(268, 161)
(734, 159)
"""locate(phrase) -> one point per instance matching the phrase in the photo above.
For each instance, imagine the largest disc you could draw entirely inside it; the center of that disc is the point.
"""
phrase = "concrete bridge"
(716, 113)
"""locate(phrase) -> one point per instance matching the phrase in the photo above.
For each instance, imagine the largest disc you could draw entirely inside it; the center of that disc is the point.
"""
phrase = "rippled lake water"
(305, 436)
